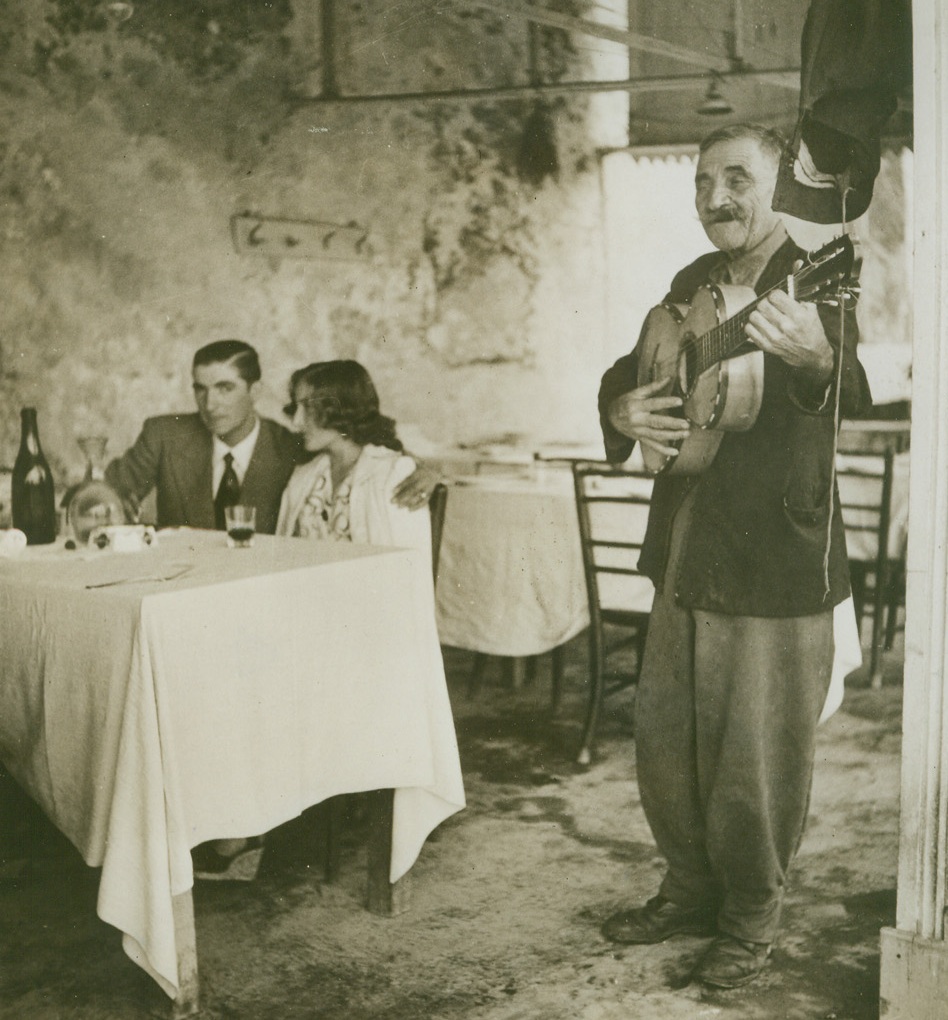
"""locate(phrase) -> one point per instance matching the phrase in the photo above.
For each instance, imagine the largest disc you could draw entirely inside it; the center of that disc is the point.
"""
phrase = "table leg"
(384, 897)
(186, 1003)
(557, 668)
(515, 668)
(477, 674)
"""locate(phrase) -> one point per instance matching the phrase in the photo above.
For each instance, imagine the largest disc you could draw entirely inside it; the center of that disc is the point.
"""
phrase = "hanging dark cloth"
(856, 62)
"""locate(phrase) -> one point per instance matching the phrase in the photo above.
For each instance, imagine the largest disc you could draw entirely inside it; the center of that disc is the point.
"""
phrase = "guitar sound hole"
(687, 366)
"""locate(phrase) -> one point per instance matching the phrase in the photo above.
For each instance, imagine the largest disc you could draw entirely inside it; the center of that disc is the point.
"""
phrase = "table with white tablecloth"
(217, 692)
(510, 576)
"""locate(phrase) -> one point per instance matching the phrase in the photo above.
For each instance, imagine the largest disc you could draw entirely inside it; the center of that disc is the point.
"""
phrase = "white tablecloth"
(510, 578)
(146, 718)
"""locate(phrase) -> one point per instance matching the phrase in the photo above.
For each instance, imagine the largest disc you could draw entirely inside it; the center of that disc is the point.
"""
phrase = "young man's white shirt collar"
(241, 453)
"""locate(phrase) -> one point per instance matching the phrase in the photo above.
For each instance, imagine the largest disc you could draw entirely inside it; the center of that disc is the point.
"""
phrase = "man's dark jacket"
(759, 524)
(173, 454)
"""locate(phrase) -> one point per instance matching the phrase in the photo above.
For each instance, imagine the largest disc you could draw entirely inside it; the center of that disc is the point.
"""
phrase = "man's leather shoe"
(658, 920)
(731, 962)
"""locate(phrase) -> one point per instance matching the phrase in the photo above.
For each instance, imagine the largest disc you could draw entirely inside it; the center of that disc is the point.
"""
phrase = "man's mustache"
(723, 216)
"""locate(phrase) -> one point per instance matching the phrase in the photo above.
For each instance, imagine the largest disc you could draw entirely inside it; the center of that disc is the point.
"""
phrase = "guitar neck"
(831, 264)
(723, 340)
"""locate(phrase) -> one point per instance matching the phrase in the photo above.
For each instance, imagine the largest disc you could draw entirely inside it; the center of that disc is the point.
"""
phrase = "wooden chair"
(612, 507)
(865, 492)
(335, 806)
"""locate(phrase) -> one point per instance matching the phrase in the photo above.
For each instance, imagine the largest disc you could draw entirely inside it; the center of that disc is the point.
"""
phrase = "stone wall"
(128, 144)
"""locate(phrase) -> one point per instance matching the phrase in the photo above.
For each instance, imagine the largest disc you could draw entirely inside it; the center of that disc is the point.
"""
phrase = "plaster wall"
(126, 146)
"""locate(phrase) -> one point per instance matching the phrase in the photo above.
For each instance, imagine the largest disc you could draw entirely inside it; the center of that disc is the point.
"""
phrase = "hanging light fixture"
(714, 104)
(118, 12)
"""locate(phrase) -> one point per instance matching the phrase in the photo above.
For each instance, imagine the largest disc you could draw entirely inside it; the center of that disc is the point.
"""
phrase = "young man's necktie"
(228, 492)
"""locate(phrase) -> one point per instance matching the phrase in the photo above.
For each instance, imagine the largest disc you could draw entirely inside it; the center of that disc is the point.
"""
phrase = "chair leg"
(557, 665)
(891, 624)
(857, 581)
(594, 705)
(878, 609)
(640, 649)
(476, 677)
(516, 671)
(895, 599)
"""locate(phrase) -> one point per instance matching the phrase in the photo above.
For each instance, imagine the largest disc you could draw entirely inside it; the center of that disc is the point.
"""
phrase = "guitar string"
(688, 345)
(842, 183)
(731, 326)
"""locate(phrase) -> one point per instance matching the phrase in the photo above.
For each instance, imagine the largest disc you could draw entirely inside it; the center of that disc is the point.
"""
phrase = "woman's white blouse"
(325, 514)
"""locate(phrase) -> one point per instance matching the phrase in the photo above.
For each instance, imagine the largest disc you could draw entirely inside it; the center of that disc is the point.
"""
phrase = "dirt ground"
(507, 898)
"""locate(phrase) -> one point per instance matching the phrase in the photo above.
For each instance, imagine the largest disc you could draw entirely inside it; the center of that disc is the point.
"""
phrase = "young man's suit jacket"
(173, 455)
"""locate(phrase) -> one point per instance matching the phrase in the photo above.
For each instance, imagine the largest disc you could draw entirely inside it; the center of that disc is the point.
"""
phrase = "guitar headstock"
(827, 272)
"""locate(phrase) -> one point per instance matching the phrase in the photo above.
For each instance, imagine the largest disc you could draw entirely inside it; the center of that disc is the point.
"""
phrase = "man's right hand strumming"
(638, 415)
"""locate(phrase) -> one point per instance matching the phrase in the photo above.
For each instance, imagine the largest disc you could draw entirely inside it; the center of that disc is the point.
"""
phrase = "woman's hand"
(638, 415)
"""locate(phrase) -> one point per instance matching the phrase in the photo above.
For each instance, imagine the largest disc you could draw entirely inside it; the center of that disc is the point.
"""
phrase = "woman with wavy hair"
(345, 492)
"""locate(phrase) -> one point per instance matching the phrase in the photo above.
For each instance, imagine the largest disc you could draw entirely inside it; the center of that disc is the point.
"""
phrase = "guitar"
(702, 348)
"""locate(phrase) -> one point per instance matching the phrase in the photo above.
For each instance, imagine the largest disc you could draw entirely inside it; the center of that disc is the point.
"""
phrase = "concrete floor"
(507, 899)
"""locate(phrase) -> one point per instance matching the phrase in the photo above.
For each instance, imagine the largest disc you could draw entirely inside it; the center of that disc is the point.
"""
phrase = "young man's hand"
(415, 491)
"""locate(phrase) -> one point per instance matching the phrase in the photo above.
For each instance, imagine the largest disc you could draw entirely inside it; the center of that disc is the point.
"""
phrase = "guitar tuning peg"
(846, 295)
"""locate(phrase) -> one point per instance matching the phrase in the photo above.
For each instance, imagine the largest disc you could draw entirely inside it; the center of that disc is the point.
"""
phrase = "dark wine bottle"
(32, 498)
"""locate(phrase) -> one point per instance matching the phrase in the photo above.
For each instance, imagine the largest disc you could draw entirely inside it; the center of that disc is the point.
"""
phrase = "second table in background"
(510, 580)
